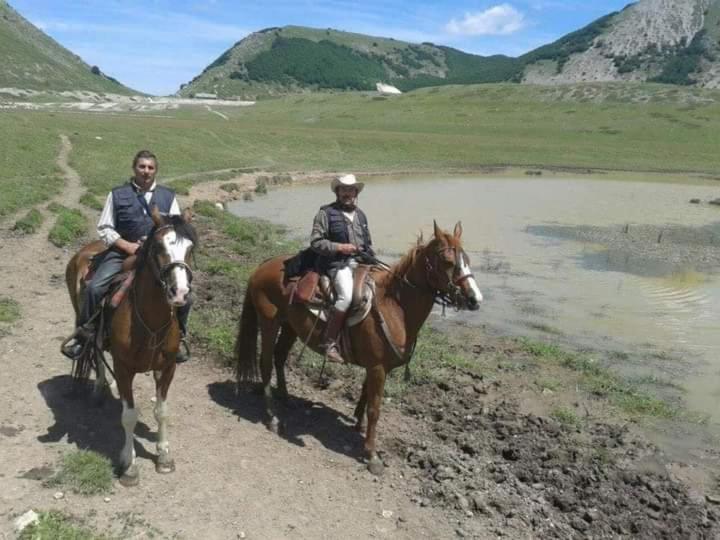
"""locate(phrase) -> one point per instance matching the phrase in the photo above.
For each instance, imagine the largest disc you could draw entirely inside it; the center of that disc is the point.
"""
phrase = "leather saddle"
(317, 294)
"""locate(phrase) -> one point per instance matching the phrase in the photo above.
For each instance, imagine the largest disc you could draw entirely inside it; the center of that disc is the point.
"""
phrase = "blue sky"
(155, 45)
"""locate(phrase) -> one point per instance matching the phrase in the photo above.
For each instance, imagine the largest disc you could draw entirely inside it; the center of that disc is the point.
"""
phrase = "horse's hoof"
(165, 466)
(131, 477)
(375, 466)
(273, 425)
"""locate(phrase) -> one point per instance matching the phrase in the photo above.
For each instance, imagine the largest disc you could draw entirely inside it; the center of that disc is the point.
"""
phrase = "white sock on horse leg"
(161, 416)
(129, 420)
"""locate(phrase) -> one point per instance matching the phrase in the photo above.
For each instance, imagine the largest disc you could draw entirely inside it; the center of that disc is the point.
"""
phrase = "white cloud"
(498, 20)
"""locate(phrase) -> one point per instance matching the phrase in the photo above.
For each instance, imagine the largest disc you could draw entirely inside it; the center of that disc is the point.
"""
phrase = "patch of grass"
(216, 330)
(30, 222)
(230, 187)
(182, 186)
(9, 310)
(54, 525)
(567, 417)
(550, 384)
(601, 382)
(84, 472)
(91, 201)
(434, 355)
(70, 225)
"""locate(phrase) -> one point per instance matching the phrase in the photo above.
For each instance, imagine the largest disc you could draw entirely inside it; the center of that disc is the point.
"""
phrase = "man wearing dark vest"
(339, 235)
(124, 223)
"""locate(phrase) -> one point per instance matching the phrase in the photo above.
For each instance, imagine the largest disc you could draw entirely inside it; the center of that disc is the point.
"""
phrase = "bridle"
(161, 273)
(449, 294)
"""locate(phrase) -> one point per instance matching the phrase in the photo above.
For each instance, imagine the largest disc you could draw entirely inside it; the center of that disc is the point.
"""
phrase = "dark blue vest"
(131, 221)
(337, 225)
(338, 232)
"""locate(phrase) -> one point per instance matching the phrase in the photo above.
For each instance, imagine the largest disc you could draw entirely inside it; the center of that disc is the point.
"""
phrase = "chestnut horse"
(404, 296)
(144, 333)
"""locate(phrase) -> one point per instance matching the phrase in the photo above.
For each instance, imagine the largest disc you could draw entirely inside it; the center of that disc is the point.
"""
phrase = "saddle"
(317, 294)
(120, 284)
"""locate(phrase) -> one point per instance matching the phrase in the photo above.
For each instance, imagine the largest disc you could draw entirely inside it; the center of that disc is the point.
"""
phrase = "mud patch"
(39, 473)
(11, 431)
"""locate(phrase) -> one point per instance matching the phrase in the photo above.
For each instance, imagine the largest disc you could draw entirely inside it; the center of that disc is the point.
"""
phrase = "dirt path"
(234, 479)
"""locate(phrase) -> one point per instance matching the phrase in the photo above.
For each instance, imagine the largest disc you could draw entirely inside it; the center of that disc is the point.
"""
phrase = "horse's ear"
(187, 215)
(156, 216)
(437, 231)
(458, 230)
(420, 239)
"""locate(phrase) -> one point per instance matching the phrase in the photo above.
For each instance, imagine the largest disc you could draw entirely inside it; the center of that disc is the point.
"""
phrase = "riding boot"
(183, 354)
(75, 345)
(336, 320)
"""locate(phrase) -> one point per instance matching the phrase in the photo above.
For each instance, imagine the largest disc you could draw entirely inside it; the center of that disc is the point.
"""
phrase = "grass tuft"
(567, 417)
(55, 525)
(70, 225)
(91, 201)
(84, 472)
(9, 310)
(30, 222)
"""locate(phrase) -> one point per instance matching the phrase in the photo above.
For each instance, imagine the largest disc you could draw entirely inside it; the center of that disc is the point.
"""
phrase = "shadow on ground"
(301, 417)
(86, 425)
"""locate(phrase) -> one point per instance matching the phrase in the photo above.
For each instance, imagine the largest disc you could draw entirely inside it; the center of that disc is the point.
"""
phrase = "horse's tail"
(247, 362)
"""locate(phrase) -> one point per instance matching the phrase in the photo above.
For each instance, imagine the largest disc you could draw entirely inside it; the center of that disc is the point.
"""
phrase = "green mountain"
(31, 60)
(669, 41)
(281, 60)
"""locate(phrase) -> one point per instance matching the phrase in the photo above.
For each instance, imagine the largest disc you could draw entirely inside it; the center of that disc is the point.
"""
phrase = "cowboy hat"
(346, 180)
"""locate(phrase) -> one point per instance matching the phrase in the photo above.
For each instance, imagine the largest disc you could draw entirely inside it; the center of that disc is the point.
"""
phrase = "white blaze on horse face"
(465, 271)
(177, 248)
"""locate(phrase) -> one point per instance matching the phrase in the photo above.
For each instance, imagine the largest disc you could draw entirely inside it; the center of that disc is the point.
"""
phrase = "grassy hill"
(665, 41)
(34, 61)
(281, 60)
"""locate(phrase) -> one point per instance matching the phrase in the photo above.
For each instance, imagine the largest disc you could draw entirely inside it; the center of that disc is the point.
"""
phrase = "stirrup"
(332, 353)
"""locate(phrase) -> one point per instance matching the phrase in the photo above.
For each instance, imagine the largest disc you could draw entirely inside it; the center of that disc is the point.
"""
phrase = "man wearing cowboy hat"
(339, 236)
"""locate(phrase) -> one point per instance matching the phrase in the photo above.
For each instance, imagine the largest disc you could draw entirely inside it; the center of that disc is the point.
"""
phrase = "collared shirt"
(106, 224)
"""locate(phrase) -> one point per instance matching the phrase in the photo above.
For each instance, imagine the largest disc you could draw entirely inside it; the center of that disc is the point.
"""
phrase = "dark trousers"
(107, 269)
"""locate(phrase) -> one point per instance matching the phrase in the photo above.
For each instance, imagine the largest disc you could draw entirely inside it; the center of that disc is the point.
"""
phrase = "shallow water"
(637, 297)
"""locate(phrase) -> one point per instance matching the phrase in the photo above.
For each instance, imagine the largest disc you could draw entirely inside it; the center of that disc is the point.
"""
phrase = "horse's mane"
(390, 279)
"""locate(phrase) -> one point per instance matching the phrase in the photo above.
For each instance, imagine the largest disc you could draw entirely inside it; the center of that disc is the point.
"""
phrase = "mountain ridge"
(669, 41)
(32, 60)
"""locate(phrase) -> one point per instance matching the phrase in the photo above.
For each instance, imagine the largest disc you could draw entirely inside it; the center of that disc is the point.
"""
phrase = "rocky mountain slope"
(668, 41)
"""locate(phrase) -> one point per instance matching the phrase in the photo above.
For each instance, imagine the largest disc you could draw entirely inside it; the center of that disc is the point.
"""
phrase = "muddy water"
(662, 311)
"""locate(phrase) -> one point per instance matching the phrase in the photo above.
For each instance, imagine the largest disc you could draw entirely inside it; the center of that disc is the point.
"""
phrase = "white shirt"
(106, 224)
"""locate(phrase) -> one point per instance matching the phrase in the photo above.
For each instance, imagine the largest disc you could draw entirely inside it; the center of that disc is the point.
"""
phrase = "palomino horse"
(404, 297)
(144, 332)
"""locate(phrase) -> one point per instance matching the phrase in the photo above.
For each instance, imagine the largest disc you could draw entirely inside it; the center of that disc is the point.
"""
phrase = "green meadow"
(633, 127)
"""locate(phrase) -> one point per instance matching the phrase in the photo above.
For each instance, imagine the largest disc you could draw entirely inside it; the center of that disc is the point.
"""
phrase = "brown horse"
(144, 333)
(405, 294)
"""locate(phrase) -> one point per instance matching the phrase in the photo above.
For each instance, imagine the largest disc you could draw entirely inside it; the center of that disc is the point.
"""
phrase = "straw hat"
(346, 180)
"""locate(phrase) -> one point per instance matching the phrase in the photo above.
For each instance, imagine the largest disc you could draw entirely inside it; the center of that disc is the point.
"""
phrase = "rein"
(160, 275)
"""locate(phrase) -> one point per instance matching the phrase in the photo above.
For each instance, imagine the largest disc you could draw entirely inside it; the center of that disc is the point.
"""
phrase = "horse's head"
(448, 269)
(168, 251)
